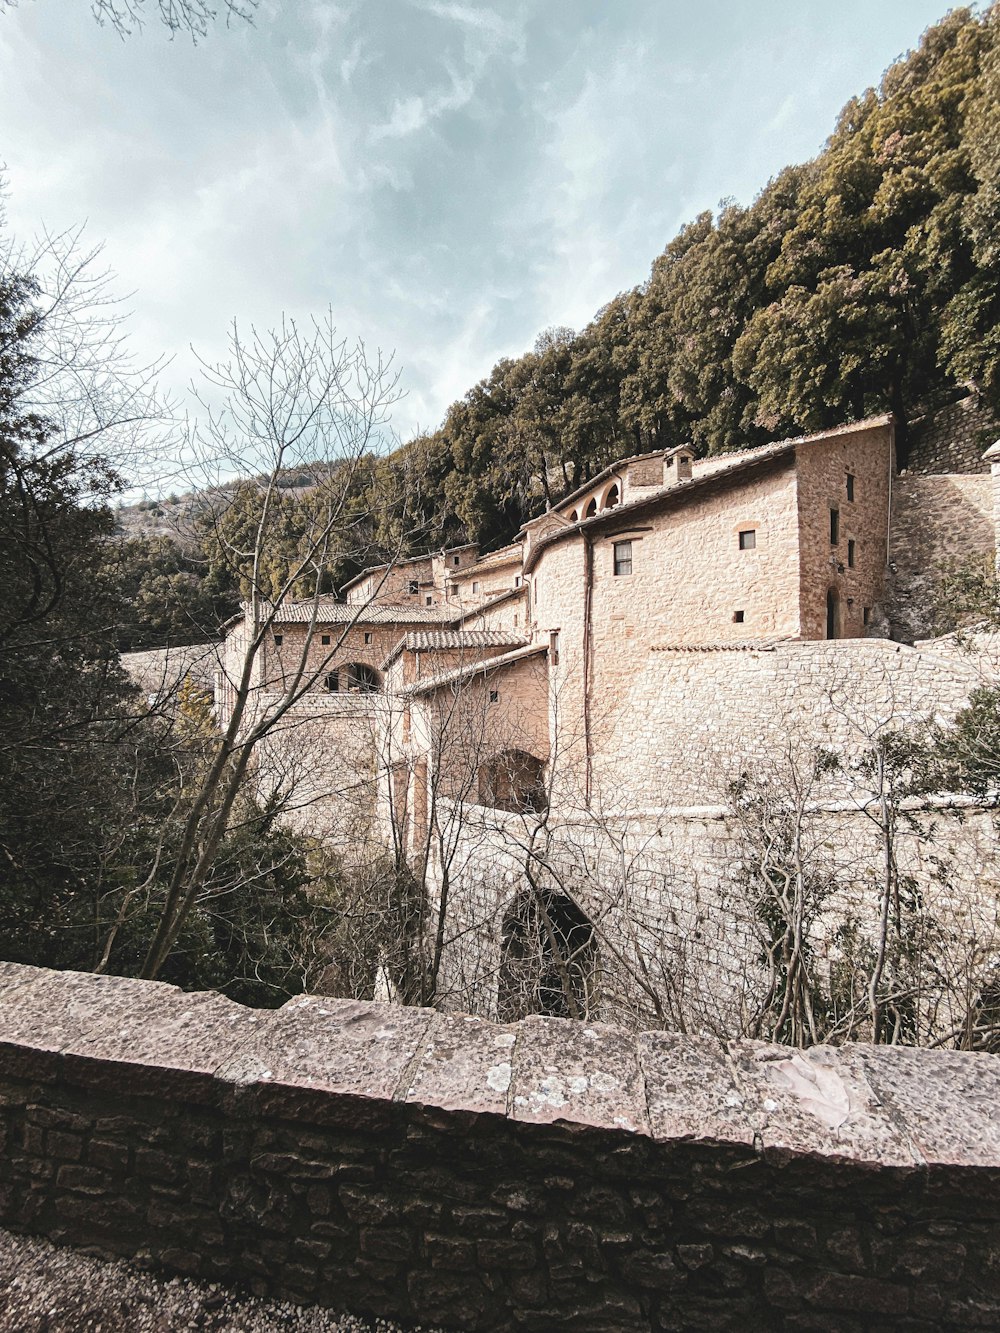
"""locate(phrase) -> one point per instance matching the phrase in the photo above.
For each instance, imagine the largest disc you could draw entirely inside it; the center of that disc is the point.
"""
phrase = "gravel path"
(47, 1289)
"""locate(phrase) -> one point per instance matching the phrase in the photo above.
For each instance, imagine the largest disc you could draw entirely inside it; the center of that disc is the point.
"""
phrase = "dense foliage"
(93, 787)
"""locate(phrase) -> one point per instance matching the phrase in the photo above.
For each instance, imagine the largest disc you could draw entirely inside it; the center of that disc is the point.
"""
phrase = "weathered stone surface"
(465, 1064)
(13, 975)
(40, 1019)
(816, 1101)
(177, 1040)
(691, 1090)
(325, 1053)
(945, 1101)
(350, 1157)
(581, 1073)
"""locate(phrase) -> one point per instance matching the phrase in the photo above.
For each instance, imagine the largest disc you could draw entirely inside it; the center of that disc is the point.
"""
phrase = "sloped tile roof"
(331, 612)
(458, 674)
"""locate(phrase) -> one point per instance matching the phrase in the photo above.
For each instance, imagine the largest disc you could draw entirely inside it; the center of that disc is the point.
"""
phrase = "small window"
(834, 527)
(623, 558)
(554, 647)
(591, 509)
(332, 682)
(494, 696)
(414, 586)
(739, 617)
(515, 622)
(279, 639)
(574, 516)
(850, 486)
(325, 640)
(748, 539)
(475, 586)
(851, 546)
(866, 615)
(368, 637)
(517, 580)
(454, 559)
(429, 600)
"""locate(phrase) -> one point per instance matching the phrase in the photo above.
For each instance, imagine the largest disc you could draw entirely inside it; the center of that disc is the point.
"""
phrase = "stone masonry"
(544, 1175)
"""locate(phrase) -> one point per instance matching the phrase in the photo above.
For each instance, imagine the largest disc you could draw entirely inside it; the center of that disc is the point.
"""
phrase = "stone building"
(581, 700)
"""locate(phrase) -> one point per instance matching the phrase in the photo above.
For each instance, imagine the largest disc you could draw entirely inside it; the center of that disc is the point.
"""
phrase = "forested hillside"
(866, 280)
(863, 281)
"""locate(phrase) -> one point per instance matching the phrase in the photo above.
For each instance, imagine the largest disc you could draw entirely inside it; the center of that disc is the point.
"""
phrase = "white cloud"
(412, 114)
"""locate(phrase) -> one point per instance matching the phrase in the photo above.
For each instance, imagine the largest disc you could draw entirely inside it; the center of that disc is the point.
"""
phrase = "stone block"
(173, 1042)
(816, 1102)
(581, 1073)
(337, 1062)
(692, 1092)
(945, 1101)
(464, 1065)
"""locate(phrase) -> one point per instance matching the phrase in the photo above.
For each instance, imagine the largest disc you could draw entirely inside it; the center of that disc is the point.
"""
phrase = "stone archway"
(548, 958)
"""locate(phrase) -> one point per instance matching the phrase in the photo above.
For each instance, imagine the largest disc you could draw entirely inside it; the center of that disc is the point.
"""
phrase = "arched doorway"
(355, 678)
(832, 614)
(513, 780)
(548, 959)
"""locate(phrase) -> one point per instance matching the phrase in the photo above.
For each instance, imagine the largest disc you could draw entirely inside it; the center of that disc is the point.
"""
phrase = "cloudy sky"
(449, 177)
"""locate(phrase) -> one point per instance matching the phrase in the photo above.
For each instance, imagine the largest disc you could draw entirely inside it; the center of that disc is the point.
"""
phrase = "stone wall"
(939, 523)
(679, 941)
(953, 438)
(696, 719)
(823, 468)
(544, 1175)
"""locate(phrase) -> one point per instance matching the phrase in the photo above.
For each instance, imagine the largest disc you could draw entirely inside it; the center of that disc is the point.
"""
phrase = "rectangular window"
(368, 638)
(739, 617)
(850, 486)
(429, 600)
(554, 647)
(748, 539)
(851, 546)
(454, 559)
(279, 639)
(325, 640)
(494, 696)
(834, 527)
(475, 586)
(414, 585)
(623, 558)
(866, 617)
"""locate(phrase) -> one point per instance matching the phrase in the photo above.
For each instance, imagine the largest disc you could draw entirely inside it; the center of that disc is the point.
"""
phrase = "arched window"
(355, 678)
(613, 497)
(574, 516)
(513, 780)
(591, 509)
(548, 959)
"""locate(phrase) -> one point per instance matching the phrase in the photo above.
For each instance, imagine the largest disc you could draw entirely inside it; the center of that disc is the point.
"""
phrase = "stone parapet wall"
(544, 1175)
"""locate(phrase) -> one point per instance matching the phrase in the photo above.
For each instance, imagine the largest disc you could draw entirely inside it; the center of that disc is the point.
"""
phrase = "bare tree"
(287, 399)
(193, 17)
